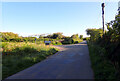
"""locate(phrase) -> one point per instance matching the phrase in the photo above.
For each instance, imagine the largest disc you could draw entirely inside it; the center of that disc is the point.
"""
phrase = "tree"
(81, 36)
(68, 40)
(10, 36)
(57, 35)
(94, 33)
(74, 36)
(41, 36)
(114, 29)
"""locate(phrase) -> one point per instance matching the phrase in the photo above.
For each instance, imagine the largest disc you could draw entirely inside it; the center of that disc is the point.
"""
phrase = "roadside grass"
(19, 56)
(102, 67)
(56, 43)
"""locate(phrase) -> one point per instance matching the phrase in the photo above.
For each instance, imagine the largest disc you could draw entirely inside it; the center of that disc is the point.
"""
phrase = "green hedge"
(103, 69)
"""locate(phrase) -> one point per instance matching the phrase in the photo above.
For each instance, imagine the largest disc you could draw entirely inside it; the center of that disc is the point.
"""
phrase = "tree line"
(56, 38)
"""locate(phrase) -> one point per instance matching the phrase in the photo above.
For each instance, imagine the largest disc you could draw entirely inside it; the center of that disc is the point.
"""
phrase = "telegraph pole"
(103, 5)
(119, 7)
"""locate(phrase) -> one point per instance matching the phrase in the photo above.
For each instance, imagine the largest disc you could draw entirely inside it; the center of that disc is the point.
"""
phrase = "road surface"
(72, 62)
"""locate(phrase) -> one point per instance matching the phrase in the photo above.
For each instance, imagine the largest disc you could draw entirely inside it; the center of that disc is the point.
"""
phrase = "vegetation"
(55, 38)
(86, 38)
(20, 52)
(105, 51)
(18, 56)
(71, 40)
(57, 35)
(68, 40)
(103, 69)
(74, 36)
(94, 33)
(9, 36)
(81, 36)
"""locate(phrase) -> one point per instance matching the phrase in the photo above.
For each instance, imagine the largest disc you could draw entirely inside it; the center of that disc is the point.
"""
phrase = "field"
(17, 56)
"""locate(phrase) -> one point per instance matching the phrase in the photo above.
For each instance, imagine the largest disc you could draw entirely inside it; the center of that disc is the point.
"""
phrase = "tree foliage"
(68, 40)
(94, 33)
(114, 29)
(9, 36)
(74, 36)
(57, 35)
(81, 36)
(110, 41)
(55, 38)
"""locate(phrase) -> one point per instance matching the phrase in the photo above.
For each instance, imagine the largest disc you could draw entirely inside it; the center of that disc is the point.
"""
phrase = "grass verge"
(102, 67)
(19, 56)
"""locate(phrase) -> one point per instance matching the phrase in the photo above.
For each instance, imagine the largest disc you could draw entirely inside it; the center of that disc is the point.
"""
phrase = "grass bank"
(19, 56)
(103, 69)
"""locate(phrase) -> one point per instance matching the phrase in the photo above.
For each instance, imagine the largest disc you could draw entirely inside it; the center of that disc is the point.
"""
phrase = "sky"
(28, 18)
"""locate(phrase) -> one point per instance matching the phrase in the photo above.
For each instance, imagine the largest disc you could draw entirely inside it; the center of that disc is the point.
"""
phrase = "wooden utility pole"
(119, 7)
(103, 5)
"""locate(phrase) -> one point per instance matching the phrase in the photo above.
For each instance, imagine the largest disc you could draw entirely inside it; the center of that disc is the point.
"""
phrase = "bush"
(53, 42)
(75, 42)
(102, 67)
(87, 38)
(18, 56)
(56, 43)
(68, 40)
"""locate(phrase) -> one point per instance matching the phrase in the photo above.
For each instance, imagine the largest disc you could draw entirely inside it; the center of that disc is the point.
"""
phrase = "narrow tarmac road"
(72, 62)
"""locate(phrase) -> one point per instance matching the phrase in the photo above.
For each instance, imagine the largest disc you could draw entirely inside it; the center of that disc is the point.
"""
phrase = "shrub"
(102, 67)
(53, 42)
(68, 40)
(18, 56)
(58, 43)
